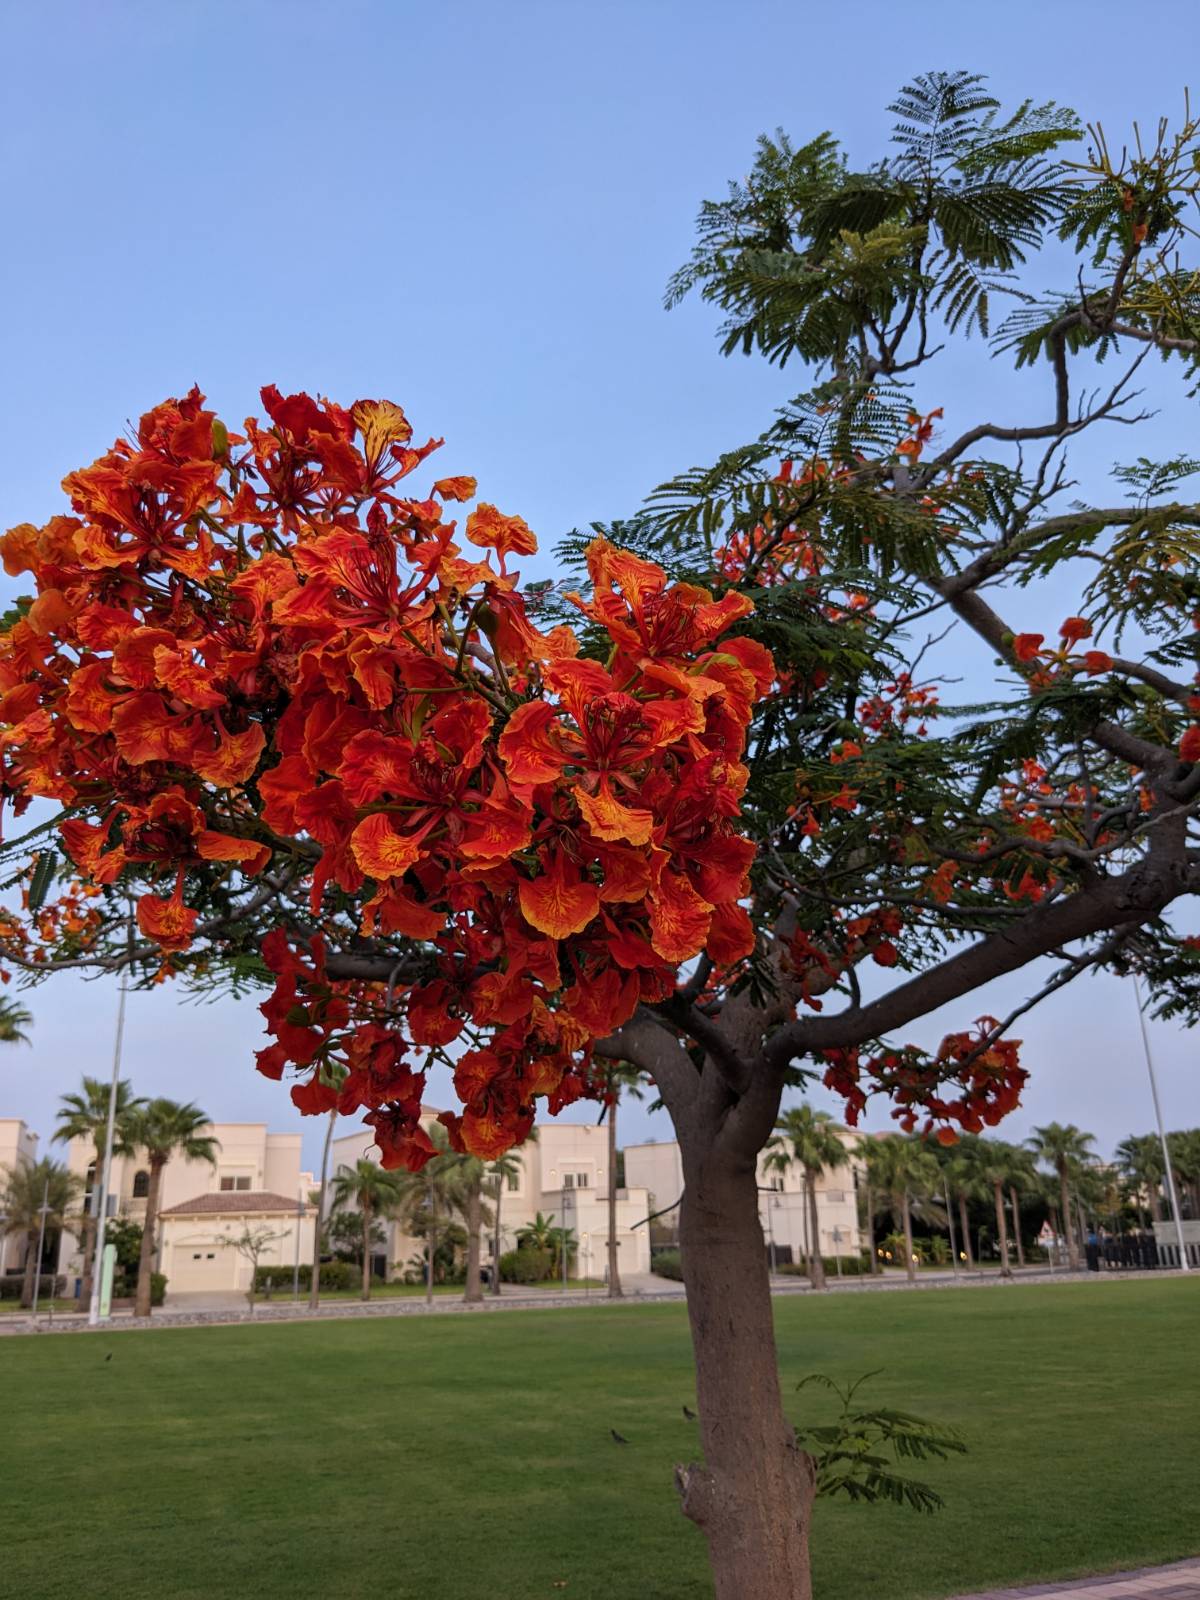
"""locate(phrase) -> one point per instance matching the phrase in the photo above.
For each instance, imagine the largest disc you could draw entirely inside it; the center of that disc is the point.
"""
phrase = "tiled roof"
(232, 1203)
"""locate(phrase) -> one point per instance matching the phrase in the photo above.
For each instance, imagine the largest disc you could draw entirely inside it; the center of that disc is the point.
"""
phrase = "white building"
(563, 1174)
(657, 1167)
(18, 1148)
(257, 1183)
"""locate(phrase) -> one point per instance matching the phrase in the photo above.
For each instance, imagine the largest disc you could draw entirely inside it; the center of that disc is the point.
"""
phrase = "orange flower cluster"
(986, 1073)
(258, 654)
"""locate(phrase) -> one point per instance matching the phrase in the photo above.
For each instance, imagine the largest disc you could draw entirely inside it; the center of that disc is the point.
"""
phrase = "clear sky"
(471, 209)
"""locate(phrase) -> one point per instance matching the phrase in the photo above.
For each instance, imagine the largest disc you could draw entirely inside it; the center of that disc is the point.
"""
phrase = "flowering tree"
(674, 819)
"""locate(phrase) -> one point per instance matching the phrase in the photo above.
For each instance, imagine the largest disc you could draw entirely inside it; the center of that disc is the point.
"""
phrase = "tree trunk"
(429, 1247)
(816, 1267)
(910, 1266)
(1083, 1232)
(1068, 1231)
(752, 1497)
(965, 1223)
(32, 1267)
(1002, 1229)
(474, 1288)
(874, 1254)
(142, 1306)
(1016, 1210)
(314, 1283)
(366, 1272)
(500, 1182)
(614, 1265)
(1156, 1210)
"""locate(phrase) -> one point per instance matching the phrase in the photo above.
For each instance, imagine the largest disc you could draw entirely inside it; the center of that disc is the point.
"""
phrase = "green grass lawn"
(469, 1458)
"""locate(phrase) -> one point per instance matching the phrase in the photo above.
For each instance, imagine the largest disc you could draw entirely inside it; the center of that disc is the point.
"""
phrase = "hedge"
(12, 1284)
(852, 1267)
(334, 1275)
(667, 1264)
(526, 1265)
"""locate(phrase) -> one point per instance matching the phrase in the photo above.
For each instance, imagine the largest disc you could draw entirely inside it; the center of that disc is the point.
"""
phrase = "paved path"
(1179, 1581)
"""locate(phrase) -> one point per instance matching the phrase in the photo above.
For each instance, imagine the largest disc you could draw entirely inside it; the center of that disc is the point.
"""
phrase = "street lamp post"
(104, 1177)
(1172, 1196)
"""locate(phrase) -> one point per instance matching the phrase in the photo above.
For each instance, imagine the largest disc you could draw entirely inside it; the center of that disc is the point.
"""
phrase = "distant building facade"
(657, 1167)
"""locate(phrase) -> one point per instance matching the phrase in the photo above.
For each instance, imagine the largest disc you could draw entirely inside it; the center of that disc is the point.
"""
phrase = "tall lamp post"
(1172, 1196)
(104, 1177)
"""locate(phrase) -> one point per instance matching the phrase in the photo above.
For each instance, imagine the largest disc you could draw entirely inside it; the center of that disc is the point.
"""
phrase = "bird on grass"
(618, 1438)
(689, 1413)
(108, 1357)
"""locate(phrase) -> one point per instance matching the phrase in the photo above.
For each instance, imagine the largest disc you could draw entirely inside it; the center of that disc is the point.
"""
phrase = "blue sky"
(472, 210)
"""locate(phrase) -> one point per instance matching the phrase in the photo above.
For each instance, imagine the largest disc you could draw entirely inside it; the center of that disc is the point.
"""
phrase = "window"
(568, 1180)
(197, 1256)
(514, 1182)
(228, 1185)
(141, 1185)
(581, 1180)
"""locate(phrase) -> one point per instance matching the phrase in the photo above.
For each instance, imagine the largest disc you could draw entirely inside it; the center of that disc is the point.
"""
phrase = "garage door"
(200, 1266)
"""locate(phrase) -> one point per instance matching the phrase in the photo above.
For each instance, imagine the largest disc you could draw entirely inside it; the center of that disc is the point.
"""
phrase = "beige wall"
(561, 1149)
(18, 1147)
(268, 1161)
(196, 1256)
(659, 1169)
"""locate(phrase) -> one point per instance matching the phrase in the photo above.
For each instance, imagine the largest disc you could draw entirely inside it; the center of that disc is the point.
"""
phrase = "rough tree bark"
(816, 1266)
(965, 1224)
(366, 1264)
(1068, 1230)
(1001, 1229)
(142, 1307)
(753, 1496)
(1016, 1211)
(614, 1265)
(474, 1220)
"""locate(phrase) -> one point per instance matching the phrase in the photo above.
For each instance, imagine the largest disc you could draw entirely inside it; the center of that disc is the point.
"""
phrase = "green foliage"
(855, 1454)
(667, 1264)
(49, 1286)
(334, 1275)
(528, 1264)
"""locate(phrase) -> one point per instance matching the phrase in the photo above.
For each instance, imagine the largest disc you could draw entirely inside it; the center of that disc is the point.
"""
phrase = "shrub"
(526, 1265)
(158, 1288)
(852, 1267)
(334, 1275)
(11, 1284)
(667, 1264)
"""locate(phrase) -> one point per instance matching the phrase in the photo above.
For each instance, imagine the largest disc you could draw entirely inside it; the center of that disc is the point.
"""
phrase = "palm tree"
(85, 1116)
(501, 1170)
(163, 1128)
(26, 1188)
(907, 1176)
(1185, 1160)
(995, 1163)
(1066, 1148)
(321, 1200)
(14, 1019)
(807, 1139)
(1140, 1159)
(466, 1179)
(538, 1234)
(1022, 1179)
(962, 1178)
(375, 1193)
(428, 1195)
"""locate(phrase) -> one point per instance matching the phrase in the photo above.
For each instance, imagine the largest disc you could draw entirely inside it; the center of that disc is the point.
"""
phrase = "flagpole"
(1172, 1196)
(109, 1136)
